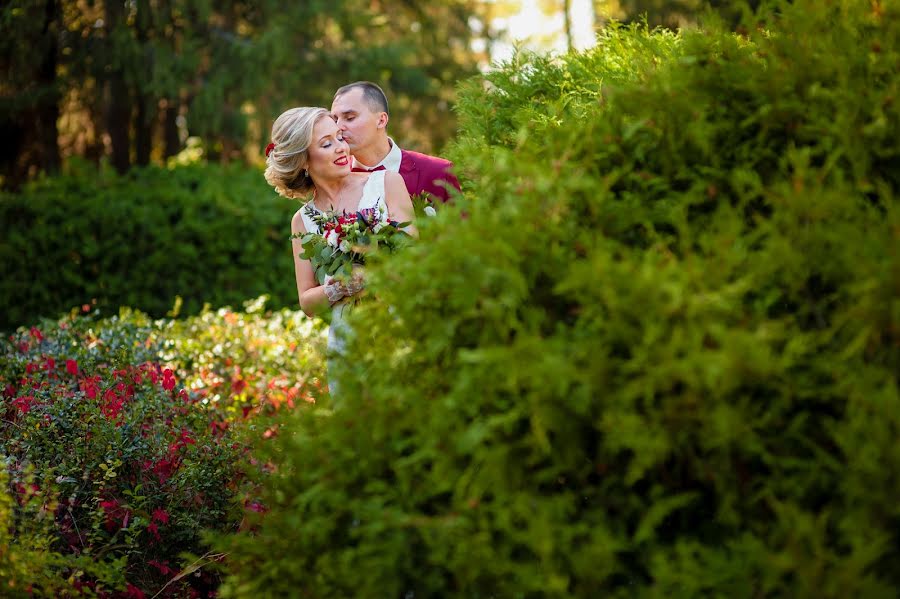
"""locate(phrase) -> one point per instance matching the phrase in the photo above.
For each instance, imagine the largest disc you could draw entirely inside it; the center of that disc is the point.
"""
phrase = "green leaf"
(658, 512)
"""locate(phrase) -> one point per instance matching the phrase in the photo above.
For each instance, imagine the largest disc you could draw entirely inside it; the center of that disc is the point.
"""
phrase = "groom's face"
(356, 119)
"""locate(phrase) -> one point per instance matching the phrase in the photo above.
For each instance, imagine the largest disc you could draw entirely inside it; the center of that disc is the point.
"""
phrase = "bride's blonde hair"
(291, 137)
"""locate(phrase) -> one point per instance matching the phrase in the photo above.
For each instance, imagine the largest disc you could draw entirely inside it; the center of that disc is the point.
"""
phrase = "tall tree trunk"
(118, 107)
(143, 132)
(567, 17)
(171, 138)
(28, 129)
(47, 112)
(144, 115)
(172, 33)
(13, 167)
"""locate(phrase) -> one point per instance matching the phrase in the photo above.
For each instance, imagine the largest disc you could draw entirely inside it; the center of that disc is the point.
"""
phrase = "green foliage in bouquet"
(345, 240)
(423, 206)
(132, 436)
(205, 233)
(653, 352)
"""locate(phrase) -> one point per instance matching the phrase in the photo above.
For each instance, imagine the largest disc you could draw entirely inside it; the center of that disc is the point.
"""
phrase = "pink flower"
(23, 403)
(112, 404)
(185, 438)
(164, 468)
(36, 334)
(168, 380)
(163, 567)
(160, 515)
(90, 386)
(113, 512)
(72, 367)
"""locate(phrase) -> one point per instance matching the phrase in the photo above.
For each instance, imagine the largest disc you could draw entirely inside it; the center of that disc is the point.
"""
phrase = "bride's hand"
(357, 281)
(337, 288)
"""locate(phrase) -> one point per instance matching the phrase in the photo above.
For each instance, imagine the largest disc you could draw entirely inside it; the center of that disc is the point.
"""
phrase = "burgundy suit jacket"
(423, 173)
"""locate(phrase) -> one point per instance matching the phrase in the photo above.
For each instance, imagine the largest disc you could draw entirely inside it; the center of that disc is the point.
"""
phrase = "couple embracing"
(345, 160)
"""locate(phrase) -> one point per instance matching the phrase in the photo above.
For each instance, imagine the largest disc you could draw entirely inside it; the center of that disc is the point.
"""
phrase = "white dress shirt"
(391, 162)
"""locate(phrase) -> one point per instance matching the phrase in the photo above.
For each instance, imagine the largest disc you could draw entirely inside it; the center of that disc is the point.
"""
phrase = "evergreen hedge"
(206, 233)
(653, 351)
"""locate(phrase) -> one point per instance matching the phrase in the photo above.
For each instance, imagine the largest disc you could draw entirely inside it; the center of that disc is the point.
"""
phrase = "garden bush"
(653, 352)
(204, 233)
(29, 565)
(132, 435)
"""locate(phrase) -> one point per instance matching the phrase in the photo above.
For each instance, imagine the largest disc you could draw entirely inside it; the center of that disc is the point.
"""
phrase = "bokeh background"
(139, 82)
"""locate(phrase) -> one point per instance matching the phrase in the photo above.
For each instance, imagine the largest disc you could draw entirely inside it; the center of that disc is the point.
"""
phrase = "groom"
(361, 112)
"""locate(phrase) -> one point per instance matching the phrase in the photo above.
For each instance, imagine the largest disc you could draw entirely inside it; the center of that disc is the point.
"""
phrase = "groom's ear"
(382, 120)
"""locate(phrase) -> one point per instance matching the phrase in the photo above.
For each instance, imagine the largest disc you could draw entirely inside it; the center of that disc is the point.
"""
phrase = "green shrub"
(653, 352)
(134, 433)
(205, 233)
(29, 565)
(250, 361)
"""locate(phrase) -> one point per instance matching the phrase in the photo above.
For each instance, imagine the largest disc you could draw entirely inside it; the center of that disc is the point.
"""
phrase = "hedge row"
(206, 233)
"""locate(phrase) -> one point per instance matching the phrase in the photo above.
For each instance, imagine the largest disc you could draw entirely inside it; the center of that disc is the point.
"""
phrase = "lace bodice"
(372, 197)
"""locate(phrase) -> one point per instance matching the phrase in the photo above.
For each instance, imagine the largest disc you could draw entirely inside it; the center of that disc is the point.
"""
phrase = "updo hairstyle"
(286, 163)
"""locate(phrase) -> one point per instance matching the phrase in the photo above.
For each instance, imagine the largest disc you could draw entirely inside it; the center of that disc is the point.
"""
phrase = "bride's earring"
(306, 173)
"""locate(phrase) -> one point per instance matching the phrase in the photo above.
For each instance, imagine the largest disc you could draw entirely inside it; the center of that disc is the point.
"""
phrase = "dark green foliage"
(658, 357)
(205, 233)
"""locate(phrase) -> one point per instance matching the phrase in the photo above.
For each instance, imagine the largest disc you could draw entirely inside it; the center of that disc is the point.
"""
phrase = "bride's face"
(329, 155)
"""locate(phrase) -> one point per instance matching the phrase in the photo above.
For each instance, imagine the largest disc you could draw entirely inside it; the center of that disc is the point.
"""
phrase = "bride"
(308, 155)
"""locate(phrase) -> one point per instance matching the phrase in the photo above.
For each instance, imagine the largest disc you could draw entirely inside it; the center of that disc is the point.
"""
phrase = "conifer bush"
(653, 351)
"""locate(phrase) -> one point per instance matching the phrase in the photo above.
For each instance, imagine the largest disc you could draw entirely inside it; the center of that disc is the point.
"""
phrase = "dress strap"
(373, 191)
(308, 222)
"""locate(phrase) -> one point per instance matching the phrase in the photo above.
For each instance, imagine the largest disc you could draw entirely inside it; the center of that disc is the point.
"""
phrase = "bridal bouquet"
(345, 239)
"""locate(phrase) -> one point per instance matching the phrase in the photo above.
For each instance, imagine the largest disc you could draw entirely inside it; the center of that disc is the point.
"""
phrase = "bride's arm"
(312, 295)
(399, 205)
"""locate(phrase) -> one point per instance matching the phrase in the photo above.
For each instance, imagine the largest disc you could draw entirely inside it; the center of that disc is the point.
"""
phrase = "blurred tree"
(417, 52)
(131, 80)
(29, 91)
(673, 14)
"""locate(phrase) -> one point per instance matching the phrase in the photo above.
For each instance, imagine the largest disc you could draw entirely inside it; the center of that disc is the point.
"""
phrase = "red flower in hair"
(269, 148)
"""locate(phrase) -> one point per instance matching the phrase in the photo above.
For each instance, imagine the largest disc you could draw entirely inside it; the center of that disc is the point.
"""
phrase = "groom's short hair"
(373, 95)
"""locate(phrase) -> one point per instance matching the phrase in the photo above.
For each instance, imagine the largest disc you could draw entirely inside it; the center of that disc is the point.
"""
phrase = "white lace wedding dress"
(372, 197)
